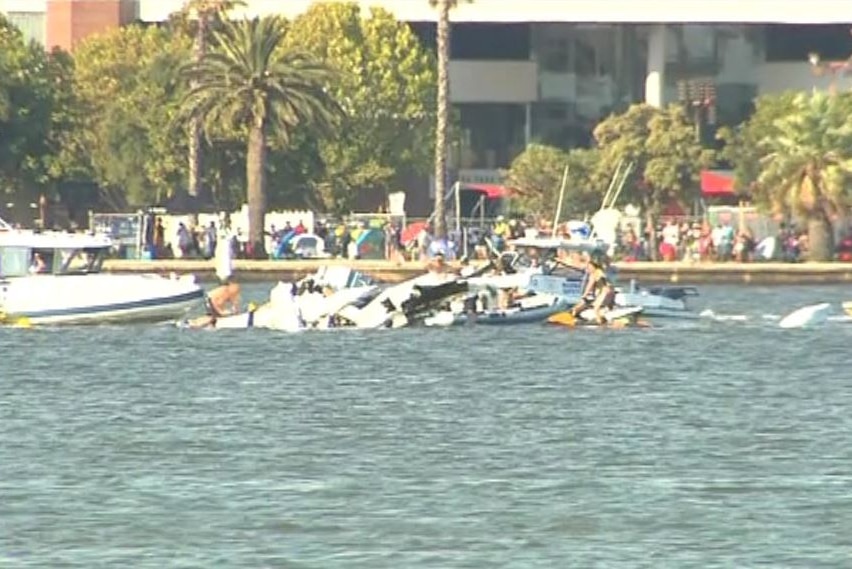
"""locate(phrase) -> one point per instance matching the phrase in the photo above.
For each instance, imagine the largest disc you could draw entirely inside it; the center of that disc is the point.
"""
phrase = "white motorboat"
(56, 278)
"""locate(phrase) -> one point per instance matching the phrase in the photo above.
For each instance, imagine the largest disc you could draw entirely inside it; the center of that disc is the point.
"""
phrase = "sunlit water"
(705, 444)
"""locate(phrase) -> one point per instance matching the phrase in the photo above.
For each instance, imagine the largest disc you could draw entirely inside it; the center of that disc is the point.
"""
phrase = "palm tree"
(249, 82)
(441, 128)
(203, 10)
(806, 167)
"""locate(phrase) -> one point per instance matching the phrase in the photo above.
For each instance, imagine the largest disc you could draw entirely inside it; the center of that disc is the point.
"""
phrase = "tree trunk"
(256, 178)
(194, 181)
(439, 229)
(820, 239)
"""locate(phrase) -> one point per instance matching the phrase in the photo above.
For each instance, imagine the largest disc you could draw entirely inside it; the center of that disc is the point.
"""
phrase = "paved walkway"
(686, 273)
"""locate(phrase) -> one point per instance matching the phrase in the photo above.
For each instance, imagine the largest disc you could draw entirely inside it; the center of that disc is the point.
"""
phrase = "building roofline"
(570, 11)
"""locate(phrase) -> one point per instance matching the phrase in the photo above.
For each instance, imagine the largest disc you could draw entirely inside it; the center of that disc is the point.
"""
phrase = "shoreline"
(648, 273)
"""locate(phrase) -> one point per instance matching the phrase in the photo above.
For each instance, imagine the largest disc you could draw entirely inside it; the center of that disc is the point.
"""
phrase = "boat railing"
(4, 225)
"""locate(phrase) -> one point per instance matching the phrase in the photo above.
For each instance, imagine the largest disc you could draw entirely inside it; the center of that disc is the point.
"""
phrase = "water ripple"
(710, 445)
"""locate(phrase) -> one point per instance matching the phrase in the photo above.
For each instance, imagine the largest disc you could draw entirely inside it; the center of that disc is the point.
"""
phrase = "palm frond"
(248, 78)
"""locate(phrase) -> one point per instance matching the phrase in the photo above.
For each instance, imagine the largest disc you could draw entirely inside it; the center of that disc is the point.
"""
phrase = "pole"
(458, 206)
(612, 183)
(561, 197)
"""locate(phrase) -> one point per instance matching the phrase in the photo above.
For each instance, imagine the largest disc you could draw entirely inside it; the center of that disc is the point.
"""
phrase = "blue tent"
(284, 244)
(371, 244)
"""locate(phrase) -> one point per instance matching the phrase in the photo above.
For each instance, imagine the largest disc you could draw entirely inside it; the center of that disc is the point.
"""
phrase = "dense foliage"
(536, 176)
(113, 115)
(794, 157)
(317, 111)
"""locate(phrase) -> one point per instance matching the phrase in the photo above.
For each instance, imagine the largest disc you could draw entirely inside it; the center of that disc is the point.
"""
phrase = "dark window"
(795, 42)
(481, 41)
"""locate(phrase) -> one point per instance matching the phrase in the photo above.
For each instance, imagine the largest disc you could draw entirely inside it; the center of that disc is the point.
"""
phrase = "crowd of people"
(691, 241)
(699, 241)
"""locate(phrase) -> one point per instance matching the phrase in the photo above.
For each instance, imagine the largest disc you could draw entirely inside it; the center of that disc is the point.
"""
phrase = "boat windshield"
(23, 261)
(14, 261)
(79, 261)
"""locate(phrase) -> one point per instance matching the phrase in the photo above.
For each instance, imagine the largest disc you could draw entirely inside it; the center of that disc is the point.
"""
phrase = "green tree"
(204, 11)
(249, 83)
(442, 123)
(128, 85)
(535, 177)
(35, 94)
(386, 82)
(806, 166)
(742, 144)
(662, 146)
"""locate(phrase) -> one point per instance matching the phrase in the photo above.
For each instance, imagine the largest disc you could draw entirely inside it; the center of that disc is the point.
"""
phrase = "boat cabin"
(25, 253)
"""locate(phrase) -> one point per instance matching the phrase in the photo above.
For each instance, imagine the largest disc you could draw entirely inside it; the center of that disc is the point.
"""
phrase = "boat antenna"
(623, 182)
(561, 198)
(611, 185)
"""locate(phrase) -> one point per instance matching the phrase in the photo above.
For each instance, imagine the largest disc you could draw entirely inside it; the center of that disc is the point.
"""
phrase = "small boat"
(557, 277)
(56, 278)
(531, 310)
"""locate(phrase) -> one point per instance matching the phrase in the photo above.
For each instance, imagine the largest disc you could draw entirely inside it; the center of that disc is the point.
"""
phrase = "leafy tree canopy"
(35, 102)
(386, 85)
(663, 146)
(127, 83)
(535, 177)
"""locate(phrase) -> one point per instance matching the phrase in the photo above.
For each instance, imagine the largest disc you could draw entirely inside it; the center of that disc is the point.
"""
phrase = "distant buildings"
(548, 70)
(63, 23)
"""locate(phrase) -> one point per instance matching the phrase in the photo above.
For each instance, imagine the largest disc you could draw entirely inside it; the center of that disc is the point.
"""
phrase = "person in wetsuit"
(599, 293)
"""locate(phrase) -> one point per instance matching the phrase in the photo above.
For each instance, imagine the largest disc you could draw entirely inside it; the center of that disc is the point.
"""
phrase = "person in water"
(222, 301)
(599, 293)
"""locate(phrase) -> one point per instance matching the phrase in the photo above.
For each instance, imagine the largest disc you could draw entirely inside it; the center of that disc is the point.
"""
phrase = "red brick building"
(63, 23)
(69, 21)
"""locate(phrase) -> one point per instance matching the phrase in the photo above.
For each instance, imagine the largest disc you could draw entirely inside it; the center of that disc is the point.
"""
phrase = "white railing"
(4, 226)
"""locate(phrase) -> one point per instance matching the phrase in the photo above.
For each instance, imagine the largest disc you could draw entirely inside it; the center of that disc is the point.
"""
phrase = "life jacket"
(599, 279)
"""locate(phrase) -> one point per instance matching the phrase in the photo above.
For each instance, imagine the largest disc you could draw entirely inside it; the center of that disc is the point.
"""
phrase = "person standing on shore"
(210, 240)
(224, 257)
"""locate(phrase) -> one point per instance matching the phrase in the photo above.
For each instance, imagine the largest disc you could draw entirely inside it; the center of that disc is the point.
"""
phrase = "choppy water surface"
(701, 445)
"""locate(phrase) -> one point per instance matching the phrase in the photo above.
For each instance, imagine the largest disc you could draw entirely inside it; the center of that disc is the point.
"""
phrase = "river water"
(706, 444)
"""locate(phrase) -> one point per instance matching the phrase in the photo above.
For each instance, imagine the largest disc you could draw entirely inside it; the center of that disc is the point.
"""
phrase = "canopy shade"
(717, 183)
(491, 191)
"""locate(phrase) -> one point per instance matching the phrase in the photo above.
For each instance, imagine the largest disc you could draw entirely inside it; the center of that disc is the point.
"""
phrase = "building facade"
(62, 23)
(549, 70)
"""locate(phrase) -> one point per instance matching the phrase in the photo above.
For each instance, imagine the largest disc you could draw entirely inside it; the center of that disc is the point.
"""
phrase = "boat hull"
(653, 305)
(97, 299)
(507, 317)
